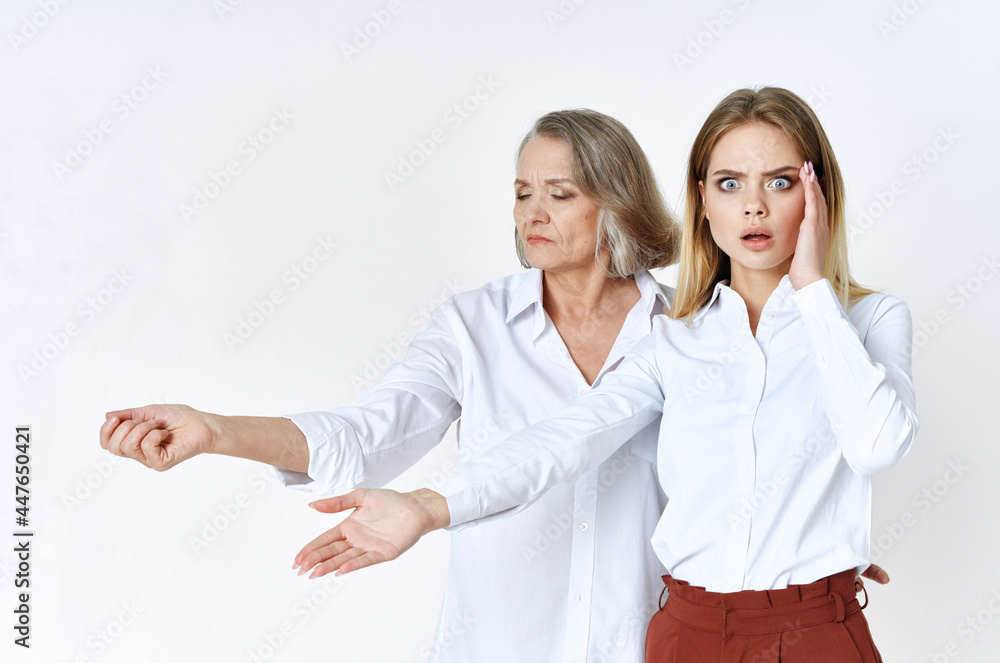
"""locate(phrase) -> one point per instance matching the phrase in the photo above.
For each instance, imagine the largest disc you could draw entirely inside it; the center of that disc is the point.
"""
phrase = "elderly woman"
(589, 222)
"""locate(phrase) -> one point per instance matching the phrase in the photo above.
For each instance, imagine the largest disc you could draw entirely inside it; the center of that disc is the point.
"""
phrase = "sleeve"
(562, 447)
(868, 389)
(403, 416)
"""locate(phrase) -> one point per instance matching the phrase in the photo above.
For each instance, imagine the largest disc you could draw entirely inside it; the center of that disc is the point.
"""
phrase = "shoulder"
(878, 310)
(496, 293)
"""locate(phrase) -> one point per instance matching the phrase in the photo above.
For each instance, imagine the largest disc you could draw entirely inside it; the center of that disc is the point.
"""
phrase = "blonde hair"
(703, 264)
(634, 226)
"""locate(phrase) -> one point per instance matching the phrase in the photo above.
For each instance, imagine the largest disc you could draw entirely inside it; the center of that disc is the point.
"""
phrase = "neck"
(581, 293)
(755, 286)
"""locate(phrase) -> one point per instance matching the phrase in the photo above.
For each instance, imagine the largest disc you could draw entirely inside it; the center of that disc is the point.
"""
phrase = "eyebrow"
(554, 180)
(770, 173)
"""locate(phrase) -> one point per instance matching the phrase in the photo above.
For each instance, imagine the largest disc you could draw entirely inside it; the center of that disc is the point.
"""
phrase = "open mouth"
(756, 238)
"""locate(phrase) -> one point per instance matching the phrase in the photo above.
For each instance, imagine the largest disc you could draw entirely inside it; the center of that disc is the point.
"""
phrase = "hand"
(876, 573)
(383, 526)
(158, 436)
(814, 234)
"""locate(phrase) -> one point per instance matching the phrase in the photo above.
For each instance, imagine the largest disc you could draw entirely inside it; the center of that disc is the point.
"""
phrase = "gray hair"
(634, 225)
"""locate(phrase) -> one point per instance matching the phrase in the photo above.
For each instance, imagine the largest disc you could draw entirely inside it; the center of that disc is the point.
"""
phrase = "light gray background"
(891, 81)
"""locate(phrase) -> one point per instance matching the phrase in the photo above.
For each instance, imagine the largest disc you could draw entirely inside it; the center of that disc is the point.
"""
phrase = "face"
(556, 221)
(753, 197)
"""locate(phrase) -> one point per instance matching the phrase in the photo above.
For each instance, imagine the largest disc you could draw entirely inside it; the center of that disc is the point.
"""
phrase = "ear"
(701, 193)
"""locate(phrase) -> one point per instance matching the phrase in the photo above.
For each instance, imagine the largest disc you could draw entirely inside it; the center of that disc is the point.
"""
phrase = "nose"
(754, 206)
(534, 212)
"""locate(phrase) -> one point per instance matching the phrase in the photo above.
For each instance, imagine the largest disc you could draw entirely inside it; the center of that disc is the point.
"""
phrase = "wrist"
(217, 432)
(801, 281)
(436, 507)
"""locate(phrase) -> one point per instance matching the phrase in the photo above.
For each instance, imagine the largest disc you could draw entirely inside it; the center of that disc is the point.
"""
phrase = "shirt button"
(583, 527)
(746, 466)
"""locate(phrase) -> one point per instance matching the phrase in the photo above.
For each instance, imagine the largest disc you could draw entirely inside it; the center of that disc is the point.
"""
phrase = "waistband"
(753, 612)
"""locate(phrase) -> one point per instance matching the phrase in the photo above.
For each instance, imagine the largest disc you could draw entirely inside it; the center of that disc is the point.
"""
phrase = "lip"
(537, 240)
(756, 238)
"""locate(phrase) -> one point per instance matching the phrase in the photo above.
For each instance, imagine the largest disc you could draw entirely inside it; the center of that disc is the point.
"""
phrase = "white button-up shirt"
(571, 577)
(767, 444)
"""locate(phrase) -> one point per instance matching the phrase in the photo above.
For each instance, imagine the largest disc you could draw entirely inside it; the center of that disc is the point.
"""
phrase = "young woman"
(783, 387)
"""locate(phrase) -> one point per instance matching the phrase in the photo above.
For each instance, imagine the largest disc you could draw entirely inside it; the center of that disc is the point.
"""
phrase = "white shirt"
(767, 444)
(554, 581)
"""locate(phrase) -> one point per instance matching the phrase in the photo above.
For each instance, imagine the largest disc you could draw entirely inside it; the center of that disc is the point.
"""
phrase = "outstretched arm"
(161, 436)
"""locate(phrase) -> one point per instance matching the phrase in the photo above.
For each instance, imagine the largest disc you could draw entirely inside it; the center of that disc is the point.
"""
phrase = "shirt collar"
(777, 298)
(529, 291)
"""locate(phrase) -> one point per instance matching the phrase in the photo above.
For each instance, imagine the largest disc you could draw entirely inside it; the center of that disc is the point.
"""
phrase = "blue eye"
(781, 183)
(728, 184)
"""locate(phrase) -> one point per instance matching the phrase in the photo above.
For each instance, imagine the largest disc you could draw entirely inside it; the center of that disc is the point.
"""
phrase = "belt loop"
(840, 606)
(660, 601)
(858, 585)
(725, 629)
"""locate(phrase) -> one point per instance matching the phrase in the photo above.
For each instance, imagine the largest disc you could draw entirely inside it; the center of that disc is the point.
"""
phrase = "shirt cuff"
(463, 502)
(329, 461)
(817, 299)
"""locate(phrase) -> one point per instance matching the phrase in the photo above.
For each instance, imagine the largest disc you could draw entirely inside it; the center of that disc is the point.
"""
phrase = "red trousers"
(816, 623)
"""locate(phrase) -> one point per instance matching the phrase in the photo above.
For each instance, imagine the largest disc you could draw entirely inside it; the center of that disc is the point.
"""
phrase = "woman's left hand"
(814, 234)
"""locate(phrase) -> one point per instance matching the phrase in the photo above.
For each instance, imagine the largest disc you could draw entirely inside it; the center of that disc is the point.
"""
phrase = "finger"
(132, 442)
(337, 563)
(370, 558)
(107, 429)
(118, 437)
(876, 573)
(334, 563)
(327, 538)
(154, 450)
(137, 413)
(321, 555)
(351, 500)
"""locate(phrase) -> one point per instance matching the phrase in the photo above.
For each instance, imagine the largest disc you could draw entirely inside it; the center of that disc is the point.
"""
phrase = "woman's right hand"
(383, 525)
(158, 436)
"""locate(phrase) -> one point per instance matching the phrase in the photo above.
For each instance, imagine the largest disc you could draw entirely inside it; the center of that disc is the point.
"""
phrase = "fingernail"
(812, 176)
(302, 572)
(295, 566)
